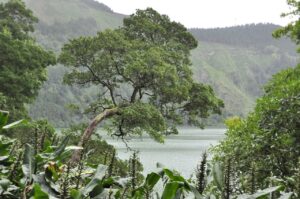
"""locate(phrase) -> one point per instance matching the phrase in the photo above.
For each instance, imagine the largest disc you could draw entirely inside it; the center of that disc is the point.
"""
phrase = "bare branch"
(148, 94)
(134, 93)
(118, 69)
(122, 98)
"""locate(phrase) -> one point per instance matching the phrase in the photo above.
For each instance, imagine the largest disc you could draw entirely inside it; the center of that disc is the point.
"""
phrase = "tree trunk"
(90, 129)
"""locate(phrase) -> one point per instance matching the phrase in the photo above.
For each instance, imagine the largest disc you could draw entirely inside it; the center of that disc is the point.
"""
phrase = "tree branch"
(134, 93)
(118, 70)
(90, 129)
(104, 84)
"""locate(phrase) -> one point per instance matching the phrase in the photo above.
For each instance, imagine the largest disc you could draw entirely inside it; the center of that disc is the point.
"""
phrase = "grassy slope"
(51, 11)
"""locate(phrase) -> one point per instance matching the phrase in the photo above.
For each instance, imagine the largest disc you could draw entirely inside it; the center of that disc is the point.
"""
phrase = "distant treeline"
(250, 35)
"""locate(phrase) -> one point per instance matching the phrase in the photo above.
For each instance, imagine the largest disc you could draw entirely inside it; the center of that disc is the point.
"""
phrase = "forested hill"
(61, 20)
(235, 61)
(256, 36)
(238, 60)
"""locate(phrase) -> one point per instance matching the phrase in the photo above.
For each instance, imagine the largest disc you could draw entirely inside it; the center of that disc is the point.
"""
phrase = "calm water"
(181, 151)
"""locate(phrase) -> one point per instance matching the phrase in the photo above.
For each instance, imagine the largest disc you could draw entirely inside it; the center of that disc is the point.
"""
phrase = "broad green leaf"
(76, 194)
(41, 181)
(14, 124)
(179, 194)
(218, 176)
(3, 118)
(4, 183)
(170, 190)
(61, 147)
(107, 182)
(172, 176)
(286, 195)
(152, 179)
(259, 193)
(138, 193)
(266, 191)
(4, 148)
(97, 190)
(195, 192)
(99, 174)
(169, 173)
(28, 162)
(38, 193)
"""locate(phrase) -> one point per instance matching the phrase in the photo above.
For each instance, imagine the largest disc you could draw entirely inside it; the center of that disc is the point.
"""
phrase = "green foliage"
(16, 18)
(220, 65)
(98, 151)
(153, 66)
(22, 61)
(54, 177)
(134, 169)
(257, 36)
(221, 181)
(218, 60)
(44, 172)
(292, 29)
(266, 143)
(201, 174)
(175, 186)
(265, 146)
(47, 173)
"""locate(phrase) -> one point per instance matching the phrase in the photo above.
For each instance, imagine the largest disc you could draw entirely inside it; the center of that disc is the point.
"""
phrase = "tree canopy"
(22, 61)
(264, 148)
(144, 72)
(291, 30)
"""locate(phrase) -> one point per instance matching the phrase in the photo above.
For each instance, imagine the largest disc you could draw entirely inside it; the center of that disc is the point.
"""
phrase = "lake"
(181, 152)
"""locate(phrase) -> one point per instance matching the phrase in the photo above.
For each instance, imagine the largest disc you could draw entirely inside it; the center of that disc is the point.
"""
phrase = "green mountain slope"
(54, 11)
(235, 61)
(237, 73)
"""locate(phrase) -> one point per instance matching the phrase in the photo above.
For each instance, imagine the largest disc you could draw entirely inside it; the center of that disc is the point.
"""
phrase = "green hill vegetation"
(258, 158)
(236, 61)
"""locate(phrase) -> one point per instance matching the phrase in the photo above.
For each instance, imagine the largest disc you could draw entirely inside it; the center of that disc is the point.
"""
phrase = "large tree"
(22, 61)
(144, 71)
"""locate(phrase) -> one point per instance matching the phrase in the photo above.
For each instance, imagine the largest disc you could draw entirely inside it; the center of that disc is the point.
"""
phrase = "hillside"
(255, 36)
(236, 61)
(238, 73)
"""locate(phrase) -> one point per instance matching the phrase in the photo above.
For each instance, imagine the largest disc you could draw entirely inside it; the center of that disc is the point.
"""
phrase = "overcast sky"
(209, 13)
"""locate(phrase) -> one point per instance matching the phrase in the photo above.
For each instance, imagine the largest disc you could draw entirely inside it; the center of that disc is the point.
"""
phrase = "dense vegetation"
(231, 69)
(256, 36)
(263, 149)
(22, 61)
(259, 158)
(40, 168)
(149, 59)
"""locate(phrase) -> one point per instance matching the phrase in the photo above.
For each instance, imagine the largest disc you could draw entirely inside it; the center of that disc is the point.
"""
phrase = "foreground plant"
(44, 171)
